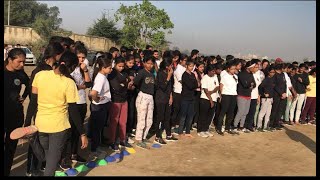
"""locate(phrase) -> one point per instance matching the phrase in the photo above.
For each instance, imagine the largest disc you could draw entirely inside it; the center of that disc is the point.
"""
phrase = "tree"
(143, 24)
(305, 59)
(30, 13)
(105, 28)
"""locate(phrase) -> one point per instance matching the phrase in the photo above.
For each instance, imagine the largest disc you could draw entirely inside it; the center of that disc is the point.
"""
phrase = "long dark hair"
(67, 63)
(52, 50)
(199, 63)
(13, 54)
(102, 62)
(167, 61)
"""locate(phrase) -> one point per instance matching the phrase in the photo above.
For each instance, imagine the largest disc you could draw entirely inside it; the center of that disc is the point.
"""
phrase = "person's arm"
(32, 107)
(162, 82)
(244, 81)
(26, 82)
(96, 89)
(277, 86)
(87, 79)
(75, 117)
(137, 80)
(305, 80)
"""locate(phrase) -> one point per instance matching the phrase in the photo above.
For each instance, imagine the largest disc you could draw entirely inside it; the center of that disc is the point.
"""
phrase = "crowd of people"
(135, 94)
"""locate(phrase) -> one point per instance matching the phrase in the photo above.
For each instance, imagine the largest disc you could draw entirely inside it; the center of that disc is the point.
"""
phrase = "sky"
(285, 29)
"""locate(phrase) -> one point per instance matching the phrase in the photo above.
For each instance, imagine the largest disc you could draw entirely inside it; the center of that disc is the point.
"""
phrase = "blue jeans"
(186, 116)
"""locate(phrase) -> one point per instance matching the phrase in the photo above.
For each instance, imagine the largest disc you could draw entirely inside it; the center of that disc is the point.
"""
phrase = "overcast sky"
(284, 29)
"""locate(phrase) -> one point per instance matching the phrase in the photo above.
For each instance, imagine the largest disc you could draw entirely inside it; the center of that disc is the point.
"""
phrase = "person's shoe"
(29, 174)
(160, 141)
(23, 132)
(76, 158)
(220, 132)
(194, 126)
(65, 165)
(142, 145)
(233, 131)
(130, 141)
(269, 129)
(246, 130)
(171, 138)
(126, 144)
(303, 123)
(93, 156)
(208, 133)
(290, 123)
(203, 134)
(279, 129)
(146, 141)
(114, 147)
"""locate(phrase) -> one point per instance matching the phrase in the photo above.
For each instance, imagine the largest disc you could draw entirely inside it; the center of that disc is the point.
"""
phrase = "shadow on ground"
(299, 137)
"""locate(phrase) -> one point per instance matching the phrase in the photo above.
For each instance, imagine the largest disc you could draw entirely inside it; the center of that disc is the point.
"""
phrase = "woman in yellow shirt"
(310, 106)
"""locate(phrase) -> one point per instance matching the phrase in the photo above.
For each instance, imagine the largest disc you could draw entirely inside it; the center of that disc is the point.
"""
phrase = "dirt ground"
(291, 152)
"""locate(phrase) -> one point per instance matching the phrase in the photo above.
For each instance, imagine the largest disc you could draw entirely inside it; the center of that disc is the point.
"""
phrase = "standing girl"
(144, 81)
(199, 73)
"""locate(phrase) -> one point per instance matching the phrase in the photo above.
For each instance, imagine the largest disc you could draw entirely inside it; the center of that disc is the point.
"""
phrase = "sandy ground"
(291, 152)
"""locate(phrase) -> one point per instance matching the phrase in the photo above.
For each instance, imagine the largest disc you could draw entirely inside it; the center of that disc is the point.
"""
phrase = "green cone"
(102, 162)
(82, 168)
(60, 173)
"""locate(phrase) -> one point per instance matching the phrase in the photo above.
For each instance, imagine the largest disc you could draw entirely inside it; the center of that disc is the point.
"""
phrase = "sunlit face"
(201, 68)
(232, 70)
(255, 68)
(148, 65)
(130, 63)
(17, 63)
(302, 69)
(119, 67)
(271, 73)
(175, 59)
(190, 66)
(265, 65)
(211, 73)
(81, 57)
(115, 54)
(238, 67)
(106, 70)
(183, 62)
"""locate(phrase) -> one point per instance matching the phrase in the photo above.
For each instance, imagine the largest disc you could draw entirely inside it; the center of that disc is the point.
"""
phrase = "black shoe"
(65, 165)
(171, 138)
(76, 158)
(114, 147)
(232, 132)
(160, 141)
(126, 144)
(220, 133)
(146, 141)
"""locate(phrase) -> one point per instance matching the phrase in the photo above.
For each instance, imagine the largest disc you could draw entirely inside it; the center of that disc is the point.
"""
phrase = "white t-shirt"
(5, 54)
(229, 84)
(224, 72)
(289, 84)
(76, 74)
(255, 91)
(101, 85)
(177, 76)
(86, 61)
(209, 83)
(158, 61)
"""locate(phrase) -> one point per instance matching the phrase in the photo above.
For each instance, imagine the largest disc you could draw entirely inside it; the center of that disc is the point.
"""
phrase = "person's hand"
(21, 100)
(170, 72)
(267, 95)
(258, 100)
(211, 104)
(83, 66)
(308, 89)
(82, 86)
(170, 101)
(299, 79)
(84, 141)
(284, 95)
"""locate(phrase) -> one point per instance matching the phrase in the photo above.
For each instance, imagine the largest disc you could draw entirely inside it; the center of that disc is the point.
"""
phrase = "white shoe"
(203, 134)
(130, 141)
(208, 133)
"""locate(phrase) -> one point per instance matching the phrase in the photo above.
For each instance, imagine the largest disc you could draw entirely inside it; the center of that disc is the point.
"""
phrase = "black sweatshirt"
(280, 84)
(266, 87)
(301, 86)
(130, 72)
(13, 109)
(245, 80)
(144, 81)
(163, 87)
(189, 85)
(118, 86)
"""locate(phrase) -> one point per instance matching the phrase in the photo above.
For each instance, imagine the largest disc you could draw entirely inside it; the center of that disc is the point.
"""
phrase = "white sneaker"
(222, 129)
(203, 134)
(130, 141)
(208, 133)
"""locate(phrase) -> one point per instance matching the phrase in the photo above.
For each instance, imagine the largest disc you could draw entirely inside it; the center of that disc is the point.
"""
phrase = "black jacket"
(244, 86)
(280, 84)
(266, 87)
(118, 86)
(301, 86)
(189, 85)
(163, 87)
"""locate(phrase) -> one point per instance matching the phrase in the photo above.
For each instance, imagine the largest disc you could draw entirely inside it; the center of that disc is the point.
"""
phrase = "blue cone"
(156, 146)
(71, 172)
(91, 164)
(116, 156)
(110, 159)
(125, 153)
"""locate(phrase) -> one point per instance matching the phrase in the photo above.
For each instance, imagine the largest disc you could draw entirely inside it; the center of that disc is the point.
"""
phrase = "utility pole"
(8, 13)
(108, 10)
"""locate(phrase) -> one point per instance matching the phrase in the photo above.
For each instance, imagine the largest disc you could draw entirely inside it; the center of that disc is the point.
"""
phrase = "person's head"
(81, 53)
(258, 64)
(147, 53)
(123, 51)
(312, 64)
(278, 68)
(148, 62)
(313, 72)
(166, 64)
(290, 67)
(114, 51)
(156, 54)
(68, 44)
(103, 65)
(148, 47)
(200, 67)
(219, 68)
(295, 63)
(285, 67)
(119, 64)
(271, 71)
(302, 68)
(229, 57)
(183, 60)
(231, 67)
(137, 58)
(58, 39)
(130, 61)
(211, 70)
(265, 63)
(194, 54)
(293, 71)
(167, 53)
(278, 61)
(176, 56)
(78, 43)
(15, 59)
(67, 63)
(189, 65)
(238, 64)
(53, 53)
(18, 46)
(250, 66)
